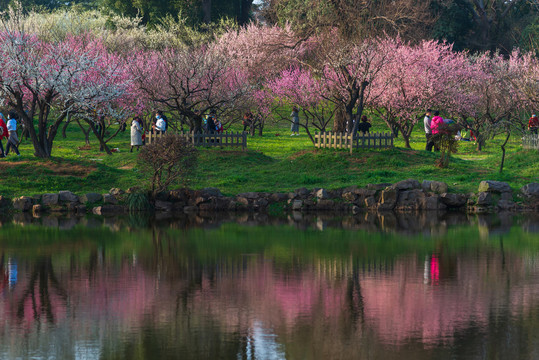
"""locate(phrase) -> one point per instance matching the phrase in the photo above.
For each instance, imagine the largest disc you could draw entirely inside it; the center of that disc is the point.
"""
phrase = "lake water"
(371, 286)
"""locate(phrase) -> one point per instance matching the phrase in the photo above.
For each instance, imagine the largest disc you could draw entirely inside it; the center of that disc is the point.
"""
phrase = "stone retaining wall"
(406, 195)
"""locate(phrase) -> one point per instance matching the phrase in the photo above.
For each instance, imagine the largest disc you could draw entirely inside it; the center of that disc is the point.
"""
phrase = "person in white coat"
(136, 133)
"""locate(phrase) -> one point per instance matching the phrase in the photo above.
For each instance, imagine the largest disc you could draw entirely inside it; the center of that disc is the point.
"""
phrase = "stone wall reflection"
(427, 223)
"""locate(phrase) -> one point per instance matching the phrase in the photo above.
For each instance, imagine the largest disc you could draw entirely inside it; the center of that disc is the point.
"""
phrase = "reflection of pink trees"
(329, 304)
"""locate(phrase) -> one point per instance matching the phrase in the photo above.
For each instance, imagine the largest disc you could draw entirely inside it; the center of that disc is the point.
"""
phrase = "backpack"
(165, 119)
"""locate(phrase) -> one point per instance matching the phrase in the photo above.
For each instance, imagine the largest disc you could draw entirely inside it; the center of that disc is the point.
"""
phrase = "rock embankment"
(406, 195)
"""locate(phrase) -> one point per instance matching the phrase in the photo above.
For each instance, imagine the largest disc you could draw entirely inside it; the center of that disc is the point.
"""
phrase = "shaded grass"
(273, 162)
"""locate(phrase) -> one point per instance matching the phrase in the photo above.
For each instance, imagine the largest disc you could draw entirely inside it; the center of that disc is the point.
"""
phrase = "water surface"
(372, 286)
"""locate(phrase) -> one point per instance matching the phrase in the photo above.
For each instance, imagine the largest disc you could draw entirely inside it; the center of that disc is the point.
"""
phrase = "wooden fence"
(530, 141)
(201, 139)
(346, 141)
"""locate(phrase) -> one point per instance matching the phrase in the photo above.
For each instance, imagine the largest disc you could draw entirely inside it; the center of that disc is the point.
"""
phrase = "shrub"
(169, 160)
(138, 201)
(446, 142)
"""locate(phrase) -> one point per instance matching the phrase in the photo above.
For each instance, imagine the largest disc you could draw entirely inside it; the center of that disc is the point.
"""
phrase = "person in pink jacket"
(436, 122)
(3, 133)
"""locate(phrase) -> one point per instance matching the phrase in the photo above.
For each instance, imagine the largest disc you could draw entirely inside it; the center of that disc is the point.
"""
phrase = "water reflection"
(368, 287)
(427, 223)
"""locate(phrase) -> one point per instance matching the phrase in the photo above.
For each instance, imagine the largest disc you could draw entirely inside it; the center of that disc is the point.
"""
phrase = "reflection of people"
(12, 272)
(533, 124)
(13, 140)
(364, 125)
(294, 129)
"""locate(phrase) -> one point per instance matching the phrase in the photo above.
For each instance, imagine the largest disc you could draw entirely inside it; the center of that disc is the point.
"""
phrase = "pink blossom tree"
(262, 53)
(414, 79)
(299, 87)
(347, 70)
(47, 81)
(190, 82)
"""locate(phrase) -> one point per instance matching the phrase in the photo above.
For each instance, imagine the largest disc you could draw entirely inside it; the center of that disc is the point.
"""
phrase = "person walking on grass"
(294, 129)
(13, 140)
(533, 124)
(136, 133)
(3, 133)
(435, 124)
(428, 131)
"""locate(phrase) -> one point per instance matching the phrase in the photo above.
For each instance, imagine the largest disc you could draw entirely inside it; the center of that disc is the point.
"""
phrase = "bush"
(446, 142)
(171, 159)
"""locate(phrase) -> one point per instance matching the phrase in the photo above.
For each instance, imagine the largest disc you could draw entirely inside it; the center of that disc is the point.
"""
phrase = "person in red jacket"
(436, 122)
(3, 134)
(533, 124)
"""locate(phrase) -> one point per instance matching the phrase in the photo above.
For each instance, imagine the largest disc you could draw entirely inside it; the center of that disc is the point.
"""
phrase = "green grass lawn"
(274, 162)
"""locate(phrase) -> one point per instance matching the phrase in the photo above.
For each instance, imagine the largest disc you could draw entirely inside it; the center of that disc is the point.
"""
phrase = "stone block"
(388, 199)
(484, 199)
(297, 204)
(408, 184)
(67, 196)
(494, 186)
(110, 199)
(530, 190)
(91, 198)
(49, 199)
(322, 194)
(23, 203)
(438, 187)
(453, 200)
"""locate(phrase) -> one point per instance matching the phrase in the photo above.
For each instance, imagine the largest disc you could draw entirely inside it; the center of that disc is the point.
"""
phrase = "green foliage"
(138, 201)
(153, 11)
(454, 23)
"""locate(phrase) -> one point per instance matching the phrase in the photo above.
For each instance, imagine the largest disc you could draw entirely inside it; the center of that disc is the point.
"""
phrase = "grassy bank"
(274, 162)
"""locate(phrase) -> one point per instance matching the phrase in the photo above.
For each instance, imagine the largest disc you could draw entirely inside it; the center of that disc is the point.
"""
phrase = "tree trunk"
(206, 10)
(245, 12)
(102, 145)
(64, 128)
(406, 139)
(360, 105)
(339, 122)
(503, 150)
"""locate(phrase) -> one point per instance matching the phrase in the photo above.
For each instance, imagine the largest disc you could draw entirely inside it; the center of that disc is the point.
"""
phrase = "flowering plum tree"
(347, 71)
(298, 87)
(262, 51)
(190, 82)
(416, 78)
(48, 81)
